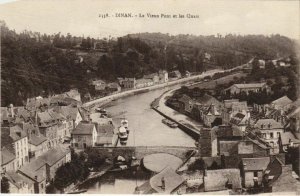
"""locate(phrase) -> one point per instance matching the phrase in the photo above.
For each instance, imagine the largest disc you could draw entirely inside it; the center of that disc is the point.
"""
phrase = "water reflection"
(123, 182)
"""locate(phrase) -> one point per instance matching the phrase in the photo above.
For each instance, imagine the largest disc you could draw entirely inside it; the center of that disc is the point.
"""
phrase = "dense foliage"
(78, 169)
(35, 64)
(4, 185)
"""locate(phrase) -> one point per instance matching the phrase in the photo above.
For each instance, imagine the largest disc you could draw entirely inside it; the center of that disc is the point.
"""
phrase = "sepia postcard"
(150, 97)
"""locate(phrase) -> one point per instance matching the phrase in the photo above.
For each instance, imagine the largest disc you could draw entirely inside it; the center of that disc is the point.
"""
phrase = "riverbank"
(185, 123)
(107, 99)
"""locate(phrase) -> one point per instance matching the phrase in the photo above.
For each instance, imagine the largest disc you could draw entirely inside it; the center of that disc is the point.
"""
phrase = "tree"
(4, 185)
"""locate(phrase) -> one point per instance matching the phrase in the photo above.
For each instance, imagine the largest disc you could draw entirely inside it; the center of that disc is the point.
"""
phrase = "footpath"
(112, 97)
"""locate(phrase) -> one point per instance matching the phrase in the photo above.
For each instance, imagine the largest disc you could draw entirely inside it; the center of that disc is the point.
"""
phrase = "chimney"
(11, 110)
(163, 185)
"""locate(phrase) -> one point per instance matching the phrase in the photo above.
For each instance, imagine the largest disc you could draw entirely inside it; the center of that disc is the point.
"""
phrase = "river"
(146, 127)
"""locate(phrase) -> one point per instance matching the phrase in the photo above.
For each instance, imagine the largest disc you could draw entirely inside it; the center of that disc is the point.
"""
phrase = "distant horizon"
(169, 34)
(80, 18)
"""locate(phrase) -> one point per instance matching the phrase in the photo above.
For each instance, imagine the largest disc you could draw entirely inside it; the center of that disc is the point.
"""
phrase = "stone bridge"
(141, 151)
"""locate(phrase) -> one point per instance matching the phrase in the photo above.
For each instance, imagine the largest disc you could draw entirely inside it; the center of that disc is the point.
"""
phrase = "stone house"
(240, 121)
(19, 183)
(129, 83)
(254, 87)
(253, 170)
(15, 140)
(154, 77)
(84, 135)
(163, 76)
(186, 104)
(36, 171)
(283, 104)
(222, 179)
(141, 83)
(175, 74)
(8, 160)
(232, 107)
(269, 131)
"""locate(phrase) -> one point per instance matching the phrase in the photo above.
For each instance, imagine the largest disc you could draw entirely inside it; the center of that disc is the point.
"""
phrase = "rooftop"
(37, 140)
(18, 179)
(286, 182)
(171, 179)
(84, 128)
(252, 85)
(6, 156)
(255, 164)
(287, 136)
(216, 180)
(54, 155)
(283, 101)
(268, 124)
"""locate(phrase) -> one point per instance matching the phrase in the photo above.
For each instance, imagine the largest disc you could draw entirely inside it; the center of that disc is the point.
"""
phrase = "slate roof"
(33, 169)
(283, 101)
(207, 100)
(255, 164)
(10, 135)
(286, 182)
(6, 156)
(53, 155)
(216, 180)
(171, 178)
(37, 140)
(69, 111)
(44, 117)
(251, 85)
(84, 128)
(266, 122)
(287, 136)
(18, 179)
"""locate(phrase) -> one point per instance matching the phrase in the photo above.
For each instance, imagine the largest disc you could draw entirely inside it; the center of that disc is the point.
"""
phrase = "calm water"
(123, 182)
(146, 128)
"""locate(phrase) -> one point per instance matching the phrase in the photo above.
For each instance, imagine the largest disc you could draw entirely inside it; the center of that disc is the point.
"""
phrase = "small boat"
(170, 123)
(122, 133)
(77, 191)
(101, 110)
(124, 123)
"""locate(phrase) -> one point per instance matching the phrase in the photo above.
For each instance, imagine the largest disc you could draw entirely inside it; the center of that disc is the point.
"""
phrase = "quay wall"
(190, 131)
(146, 89)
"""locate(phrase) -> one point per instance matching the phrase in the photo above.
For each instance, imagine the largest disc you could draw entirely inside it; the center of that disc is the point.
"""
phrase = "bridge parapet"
(141, 151)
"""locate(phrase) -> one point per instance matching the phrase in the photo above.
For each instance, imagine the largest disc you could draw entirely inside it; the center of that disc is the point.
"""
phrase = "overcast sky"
(80, 17)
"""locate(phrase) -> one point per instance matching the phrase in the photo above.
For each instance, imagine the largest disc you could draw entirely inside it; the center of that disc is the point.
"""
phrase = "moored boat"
(170, 123)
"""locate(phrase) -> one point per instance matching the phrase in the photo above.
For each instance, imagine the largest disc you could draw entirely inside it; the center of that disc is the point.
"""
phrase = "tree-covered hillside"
(35, 64)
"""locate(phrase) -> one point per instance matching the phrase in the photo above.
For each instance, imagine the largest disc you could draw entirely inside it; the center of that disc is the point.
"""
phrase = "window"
(271, 135)
(255, 174)
(278, 134)
(264, 135)
(76, 144)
